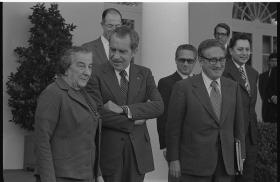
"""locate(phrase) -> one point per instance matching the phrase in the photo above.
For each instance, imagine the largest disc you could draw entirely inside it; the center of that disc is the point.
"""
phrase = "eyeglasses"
(183, 60)
(110, 26)
(214, 61)
(221, 34)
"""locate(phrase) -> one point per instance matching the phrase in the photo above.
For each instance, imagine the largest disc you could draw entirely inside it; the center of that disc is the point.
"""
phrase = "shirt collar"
(104, 40)
(184, 76)
(238, 66)
(207, 81)
(126, 69)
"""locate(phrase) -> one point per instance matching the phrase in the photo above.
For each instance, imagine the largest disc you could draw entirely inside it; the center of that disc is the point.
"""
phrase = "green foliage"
(50, 35)
(266, 168)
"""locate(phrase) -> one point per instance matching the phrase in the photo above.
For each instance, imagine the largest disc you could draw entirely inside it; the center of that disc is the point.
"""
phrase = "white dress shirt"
(105, 43)
(207, 82)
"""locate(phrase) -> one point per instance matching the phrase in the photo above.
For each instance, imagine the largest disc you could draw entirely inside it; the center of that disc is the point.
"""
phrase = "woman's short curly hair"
(66, 59)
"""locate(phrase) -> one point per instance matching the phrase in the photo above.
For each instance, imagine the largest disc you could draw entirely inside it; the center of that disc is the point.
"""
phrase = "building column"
(164, 27)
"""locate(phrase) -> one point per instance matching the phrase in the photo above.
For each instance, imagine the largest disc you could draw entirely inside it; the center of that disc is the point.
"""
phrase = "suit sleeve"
(109, 119)
(153, 107)
(239, 131)
(175, 117)
(46, 119)
(165, 92)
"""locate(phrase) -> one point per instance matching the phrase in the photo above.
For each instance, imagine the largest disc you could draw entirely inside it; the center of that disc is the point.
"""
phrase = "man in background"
(185, 58)
(266, 86)
(111, 18)
(222, 33)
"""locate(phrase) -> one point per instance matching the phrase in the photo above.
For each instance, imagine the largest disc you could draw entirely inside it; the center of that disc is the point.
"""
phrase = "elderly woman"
(67, 125)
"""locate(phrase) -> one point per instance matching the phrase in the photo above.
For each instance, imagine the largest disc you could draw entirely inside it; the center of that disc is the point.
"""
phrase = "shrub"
(49, 36)
(266, 167)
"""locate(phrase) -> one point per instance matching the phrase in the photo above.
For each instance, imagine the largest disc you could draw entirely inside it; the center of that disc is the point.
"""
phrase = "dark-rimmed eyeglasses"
(110, 26)
(214, 61)
(183, 60)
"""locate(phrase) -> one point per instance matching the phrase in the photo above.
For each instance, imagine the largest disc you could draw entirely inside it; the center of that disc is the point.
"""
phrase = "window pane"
(266, 44)
(274, 44)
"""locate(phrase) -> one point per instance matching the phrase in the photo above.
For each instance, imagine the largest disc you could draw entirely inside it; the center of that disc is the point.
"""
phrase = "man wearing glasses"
(205, 115)
(222, 33)
(185, 58)
(111, 18)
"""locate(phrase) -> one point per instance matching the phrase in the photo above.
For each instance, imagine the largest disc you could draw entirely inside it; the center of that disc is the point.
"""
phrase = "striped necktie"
(124, 84)
(216, 98)
(244, 78)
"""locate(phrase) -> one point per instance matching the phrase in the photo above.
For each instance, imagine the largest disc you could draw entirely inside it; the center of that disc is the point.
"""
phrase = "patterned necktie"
(124, 84)
(216, 98)
(243, 76)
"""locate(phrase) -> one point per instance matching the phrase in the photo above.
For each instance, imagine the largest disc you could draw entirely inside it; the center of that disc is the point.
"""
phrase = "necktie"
(124, 84)
(243, 76)
(216, 98)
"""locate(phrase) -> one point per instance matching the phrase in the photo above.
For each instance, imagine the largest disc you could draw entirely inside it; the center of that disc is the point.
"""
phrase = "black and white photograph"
(147, 91)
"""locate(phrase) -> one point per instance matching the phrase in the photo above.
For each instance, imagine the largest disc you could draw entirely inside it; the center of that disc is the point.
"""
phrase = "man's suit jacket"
(144, 102)
(268, 88)
(263, 83)
(249, 101)
(64, 130)
(193, 130)
(98, 51)
(165, 87)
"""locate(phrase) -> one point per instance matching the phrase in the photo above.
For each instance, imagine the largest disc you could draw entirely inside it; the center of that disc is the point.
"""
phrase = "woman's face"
(80, 70)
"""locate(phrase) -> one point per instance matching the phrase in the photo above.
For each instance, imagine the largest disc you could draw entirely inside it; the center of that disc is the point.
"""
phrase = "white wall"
(165, 26)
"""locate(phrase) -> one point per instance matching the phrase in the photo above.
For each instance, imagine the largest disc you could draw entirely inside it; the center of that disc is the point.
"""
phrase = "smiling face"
(213, 71)
(120, 53)
(240, 52)
(78, 74)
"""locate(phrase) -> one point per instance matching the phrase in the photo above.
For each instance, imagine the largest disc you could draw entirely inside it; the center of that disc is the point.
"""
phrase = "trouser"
(127, 170)
(220, 174)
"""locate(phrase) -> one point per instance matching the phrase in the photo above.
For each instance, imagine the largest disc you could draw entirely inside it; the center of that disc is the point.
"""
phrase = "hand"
(274, 99)
(111, 106)
(175, 169)
(100, 179)
(139, 122)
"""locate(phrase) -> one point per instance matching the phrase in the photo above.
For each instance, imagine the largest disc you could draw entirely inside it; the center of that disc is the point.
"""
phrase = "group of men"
(199, 116)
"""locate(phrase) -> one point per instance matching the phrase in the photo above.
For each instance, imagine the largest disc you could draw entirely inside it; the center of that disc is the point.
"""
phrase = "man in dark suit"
(204, 118)
(246, 77)
(130, 97)
(185, 58)
(111, 18)
(269, 109)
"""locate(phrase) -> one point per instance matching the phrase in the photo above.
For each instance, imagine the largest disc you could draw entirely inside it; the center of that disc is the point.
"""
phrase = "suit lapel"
(225, 90)
(135, 80)
(110, 79)
(72, 93)
(236, 75)
(250, 78)
(202, 95)
(176, 77)
(100, 50)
